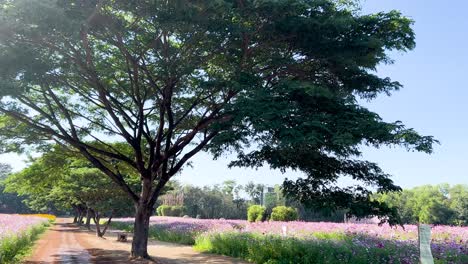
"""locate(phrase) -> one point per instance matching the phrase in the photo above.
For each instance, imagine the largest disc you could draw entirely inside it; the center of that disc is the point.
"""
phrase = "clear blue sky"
(434, 101)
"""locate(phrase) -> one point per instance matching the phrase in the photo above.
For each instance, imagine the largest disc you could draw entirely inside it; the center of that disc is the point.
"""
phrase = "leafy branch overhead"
(278, 82)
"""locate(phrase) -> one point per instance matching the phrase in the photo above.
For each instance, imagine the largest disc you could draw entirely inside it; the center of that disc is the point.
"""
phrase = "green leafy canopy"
(64, 180)
(276, 81)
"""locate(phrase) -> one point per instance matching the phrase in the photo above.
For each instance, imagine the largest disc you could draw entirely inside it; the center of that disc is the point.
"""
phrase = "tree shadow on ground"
(198, 259)
(94, 255)
(118, 256)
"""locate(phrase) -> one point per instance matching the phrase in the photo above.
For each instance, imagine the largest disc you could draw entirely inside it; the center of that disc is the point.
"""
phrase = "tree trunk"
(101, 234)
(77, 214)
(140, 233)
(80, 217)
(88, 219)
(97, 220)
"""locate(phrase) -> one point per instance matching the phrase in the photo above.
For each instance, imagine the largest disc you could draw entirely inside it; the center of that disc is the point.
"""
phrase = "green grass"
(127, 227)
(273, 249)
(13, 249)
(170, 236)
(331, 248)
(161, 234)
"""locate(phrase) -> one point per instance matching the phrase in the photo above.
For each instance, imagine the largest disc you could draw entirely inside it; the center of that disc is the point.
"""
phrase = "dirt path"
(66, 243)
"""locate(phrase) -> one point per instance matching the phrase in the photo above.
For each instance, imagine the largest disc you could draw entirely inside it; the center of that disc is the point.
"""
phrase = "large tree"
(277, 81)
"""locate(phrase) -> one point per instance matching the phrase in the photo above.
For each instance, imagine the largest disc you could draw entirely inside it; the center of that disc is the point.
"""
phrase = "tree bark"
(140, 233)
(97, 218)
(80, 216)
(107, 225)
(76, 214)
(88, 218)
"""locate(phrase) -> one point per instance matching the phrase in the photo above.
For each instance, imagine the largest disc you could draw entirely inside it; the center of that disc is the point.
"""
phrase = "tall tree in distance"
(255, 191)
(9, 203)
(277, 82)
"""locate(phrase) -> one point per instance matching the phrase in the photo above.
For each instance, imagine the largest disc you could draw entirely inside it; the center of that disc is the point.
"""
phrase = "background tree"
(228, 187)
(276, 81)
(431, 204)
(85, 184)
(65, 180)
(459, 203)
(36, 182)
(10, 203)
(212, 202)
(401, 200)
(255, 192)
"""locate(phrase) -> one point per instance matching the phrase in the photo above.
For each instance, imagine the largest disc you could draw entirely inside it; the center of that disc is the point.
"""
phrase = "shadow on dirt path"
(66, 243)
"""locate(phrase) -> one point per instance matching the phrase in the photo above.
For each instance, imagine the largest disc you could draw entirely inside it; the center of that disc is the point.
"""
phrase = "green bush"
(13, 249)
(255, 213)
(159, 210)
(284, 213)
(168, 210)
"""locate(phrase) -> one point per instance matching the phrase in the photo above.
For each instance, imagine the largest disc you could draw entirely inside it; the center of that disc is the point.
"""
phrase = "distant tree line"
(62, 182)
(10, 202)
(230, 200)
(69, 184)
(431, 204)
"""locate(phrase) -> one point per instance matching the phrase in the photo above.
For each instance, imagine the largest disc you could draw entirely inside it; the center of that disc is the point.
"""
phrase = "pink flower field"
(306, 230)
(13, 225)
(448, 242)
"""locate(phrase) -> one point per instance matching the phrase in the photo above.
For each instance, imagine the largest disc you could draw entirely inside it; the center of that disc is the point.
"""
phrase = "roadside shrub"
(255, 213)
(14, 248)
(284, 213)
(168, 210)
(159, 210)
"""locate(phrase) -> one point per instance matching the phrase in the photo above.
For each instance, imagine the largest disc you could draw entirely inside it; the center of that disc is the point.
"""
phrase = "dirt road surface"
(65, 243)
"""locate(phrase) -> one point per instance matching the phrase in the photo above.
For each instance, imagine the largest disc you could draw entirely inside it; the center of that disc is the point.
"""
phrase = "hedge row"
(168, 210)
(256, 213)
